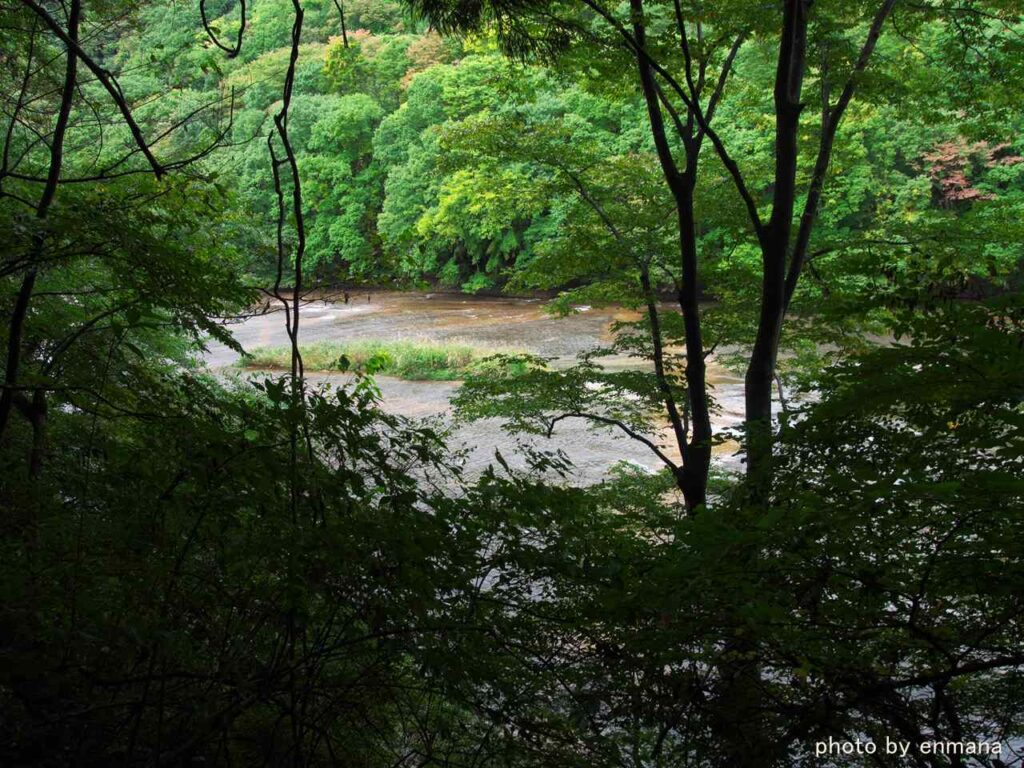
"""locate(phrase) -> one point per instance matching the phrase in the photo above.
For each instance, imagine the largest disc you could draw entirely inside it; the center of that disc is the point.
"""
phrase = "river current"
(486, 323)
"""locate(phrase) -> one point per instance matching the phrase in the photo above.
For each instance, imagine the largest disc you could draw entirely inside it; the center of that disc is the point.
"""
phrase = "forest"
(512, 383)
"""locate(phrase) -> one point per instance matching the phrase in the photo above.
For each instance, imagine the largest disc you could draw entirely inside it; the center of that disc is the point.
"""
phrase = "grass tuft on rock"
(413, 360)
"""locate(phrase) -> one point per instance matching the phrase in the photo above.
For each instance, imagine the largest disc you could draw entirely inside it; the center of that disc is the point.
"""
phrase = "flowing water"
(487, 323)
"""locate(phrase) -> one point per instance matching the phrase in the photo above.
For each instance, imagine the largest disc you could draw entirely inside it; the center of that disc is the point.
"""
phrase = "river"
(489, 323)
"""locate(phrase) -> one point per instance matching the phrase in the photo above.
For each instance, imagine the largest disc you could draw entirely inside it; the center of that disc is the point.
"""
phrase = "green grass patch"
(414, 360)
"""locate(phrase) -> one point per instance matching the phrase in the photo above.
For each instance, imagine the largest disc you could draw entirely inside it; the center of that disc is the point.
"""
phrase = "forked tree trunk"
(741, 700)
(775, 247)
(692, 476)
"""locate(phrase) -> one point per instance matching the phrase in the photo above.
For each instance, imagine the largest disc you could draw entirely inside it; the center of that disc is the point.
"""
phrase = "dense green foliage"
(199, 569)
(435, 158)
(373, 125)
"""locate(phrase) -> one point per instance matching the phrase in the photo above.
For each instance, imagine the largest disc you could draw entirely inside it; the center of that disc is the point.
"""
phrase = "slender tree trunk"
(760, 374)
(698, 450)
(662, 377)
(692, 477)
(21, 307)
(14, 334)
(775, 247)
(741, 711)
(38, 419)
(341, 12)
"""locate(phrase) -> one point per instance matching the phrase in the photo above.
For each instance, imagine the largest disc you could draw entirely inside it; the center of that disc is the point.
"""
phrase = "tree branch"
(105, 78)
(831, 116)
(234, 50)
(615, 423)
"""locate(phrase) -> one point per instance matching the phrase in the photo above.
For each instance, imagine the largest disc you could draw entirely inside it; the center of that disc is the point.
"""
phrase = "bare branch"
(105, 78)
(615, 423)
(231, 51)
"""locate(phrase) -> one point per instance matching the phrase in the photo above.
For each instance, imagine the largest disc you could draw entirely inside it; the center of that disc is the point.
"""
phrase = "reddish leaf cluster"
(952, 163)
(424, 52)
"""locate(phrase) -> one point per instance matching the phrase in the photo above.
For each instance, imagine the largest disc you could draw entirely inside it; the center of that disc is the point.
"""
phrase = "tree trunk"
(38, 418)
(742, 718)
(341, 13)
(775, 247)
(692, 477)
(14, 333)
(760, 374)
(698, 451)
(17, 323)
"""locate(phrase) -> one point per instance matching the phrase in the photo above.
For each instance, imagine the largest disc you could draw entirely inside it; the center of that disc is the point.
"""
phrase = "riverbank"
(485, 324)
